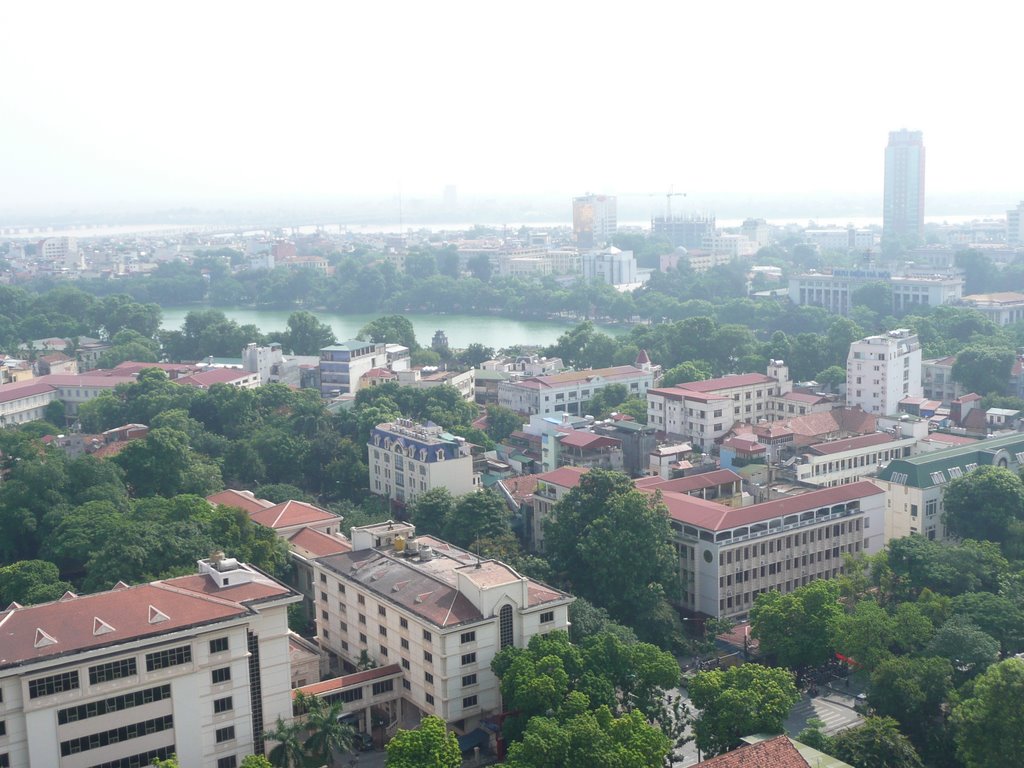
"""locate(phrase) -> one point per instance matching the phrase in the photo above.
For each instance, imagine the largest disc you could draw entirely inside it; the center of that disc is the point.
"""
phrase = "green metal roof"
(930, 469)
(482, 375)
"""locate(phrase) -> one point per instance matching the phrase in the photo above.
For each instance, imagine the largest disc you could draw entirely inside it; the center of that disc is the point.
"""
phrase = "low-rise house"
(846, 461)
(570, 392)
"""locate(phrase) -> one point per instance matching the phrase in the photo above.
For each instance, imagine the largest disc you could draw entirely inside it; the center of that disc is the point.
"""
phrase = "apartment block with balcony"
(438, 612)
(882, 370)
(570, 392)
(196, 666)
(839, 462)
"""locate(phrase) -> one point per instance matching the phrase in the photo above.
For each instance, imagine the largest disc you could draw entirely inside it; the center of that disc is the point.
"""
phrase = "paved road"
(834, 710)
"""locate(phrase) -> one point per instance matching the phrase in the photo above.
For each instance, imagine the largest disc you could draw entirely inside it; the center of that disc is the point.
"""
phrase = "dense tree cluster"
(587, 704)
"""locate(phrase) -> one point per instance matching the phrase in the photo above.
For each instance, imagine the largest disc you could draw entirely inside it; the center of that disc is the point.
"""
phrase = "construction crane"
(668, 202)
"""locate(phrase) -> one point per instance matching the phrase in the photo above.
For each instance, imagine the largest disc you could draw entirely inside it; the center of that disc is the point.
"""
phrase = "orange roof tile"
(772, 753)
(289, 513)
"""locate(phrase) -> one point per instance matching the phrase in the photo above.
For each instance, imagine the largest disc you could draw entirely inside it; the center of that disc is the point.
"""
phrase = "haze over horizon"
(130, 107)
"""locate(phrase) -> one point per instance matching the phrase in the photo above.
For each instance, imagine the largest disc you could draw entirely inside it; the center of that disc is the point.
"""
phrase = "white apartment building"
(882, 370)
(407, 459)
(570, 392)
(342, 366)
(839, 462)
(1014, 230)
(728, 556)
(437, 611)
(915, 485)
(702, 412)
(594, 220)
(196, 666)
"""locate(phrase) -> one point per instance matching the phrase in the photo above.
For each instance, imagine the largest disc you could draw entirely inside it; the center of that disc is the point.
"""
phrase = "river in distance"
(462, 330)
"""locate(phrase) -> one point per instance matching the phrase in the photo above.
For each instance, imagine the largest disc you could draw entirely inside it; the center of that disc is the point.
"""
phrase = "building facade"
(407, 459)
(882, 370)
(610, 266)
(915, 485)
(1003, 308)
(342, 366)
(437, 611)
(854, 458)
(594, 220)
(728, 556)
(570, 392)
(903, 199)
(196, 666)
(833, 290)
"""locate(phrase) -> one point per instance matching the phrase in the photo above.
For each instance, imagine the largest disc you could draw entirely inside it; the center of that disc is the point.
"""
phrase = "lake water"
(462, 330)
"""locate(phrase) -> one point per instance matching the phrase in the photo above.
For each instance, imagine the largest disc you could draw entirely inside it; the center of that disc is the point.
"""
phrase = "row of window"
(116, 735)
(113, 704)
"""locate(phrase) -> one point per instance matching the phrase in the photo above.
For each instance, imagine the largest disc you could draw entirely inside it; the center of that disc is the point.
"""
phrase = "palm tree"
(289, 751)
(327, 733)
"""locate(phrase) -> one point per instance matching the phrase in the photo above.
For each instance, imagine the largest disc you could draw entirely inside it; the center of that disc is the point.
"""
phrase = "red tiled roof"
(11, 392)
(213, 376)
(580, 439)
(692, 482)
(565, 477)
(347, 681)
(772, 753)
(317, 543)
(570, 377)
(122, 615)
(727, 382)
(800, 397)
(942, 437)
(743, 446)
(289, 513)
(716, 517)
(520, 486)
(242, 499)
(851, 443)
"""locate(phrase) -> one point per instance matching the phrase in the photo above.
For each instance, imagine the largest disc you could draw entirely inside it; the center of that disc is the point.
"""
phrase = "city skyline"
(239, 105)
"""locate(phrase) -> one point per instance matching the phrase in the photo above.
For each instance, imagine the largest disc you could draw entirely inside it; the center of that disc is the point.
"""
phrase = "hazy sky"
(204, 102)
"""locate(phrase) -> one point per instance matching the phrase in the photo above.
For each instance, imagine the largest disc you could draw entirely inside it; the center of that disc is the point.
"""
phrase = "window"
(225, 734)
(428, 677)
(468, 637)
(405, 664)
(385, 686)
(3, 727)
(222, 705)
(5, 761)
(114, 704)
(341, 588)
(383, 631)
(468, 658)
(405, 644)
(428, 656)
(406, 684)
(172, 657)
(323, 615)
(430, 699)
(362, 638)
(113, 670)
(427, 636)
(468, 680)
(220, 675)
(547, 617)
(323, 578)
(381, 610)
(361, 600)
(220, 644)
(47, 686)
(403, 623)
(228, 762)
(323, 596)
(505, 626)
(469, 701)
(115, 736)
(383, 650)
(362, 619)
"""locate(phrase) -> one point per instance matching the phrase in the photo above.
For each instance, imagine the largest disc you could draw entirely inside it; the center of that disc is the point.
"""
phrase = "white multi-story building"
(733, 246)
(844, 240)
(610, 266)
(25, 401)
(342, 366)
(437, 611)
(572, 391)
(1014, 228)
(1002, 308)
(407, 459)
(196, 666)
(702, 412)
(839, 462)
(832, 290)
(728, 556)
(882, 370)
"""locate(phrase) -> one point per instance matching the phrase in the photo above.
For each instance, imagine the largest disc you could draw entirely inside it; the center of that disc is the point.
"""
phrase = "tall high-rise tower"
(903, 204)
(593, 220)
